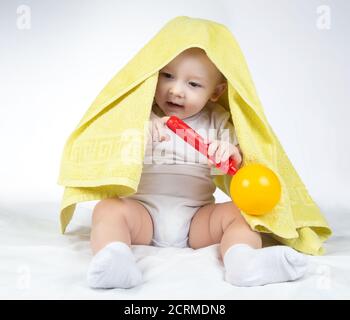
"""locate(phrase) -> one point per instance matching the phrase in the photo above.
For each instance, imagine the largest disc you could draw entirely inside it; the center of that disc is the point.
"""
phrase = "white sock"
(246, 266)
(114, 266)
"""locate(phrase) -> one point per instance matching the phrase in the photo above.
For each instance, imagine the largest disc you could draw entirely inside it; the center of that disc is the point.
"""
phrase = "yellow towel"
(92, 165)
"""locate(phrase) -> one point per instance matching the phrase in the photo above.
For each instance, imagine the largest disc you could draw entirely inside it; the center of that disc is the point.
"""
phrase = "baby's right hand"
(158, 129)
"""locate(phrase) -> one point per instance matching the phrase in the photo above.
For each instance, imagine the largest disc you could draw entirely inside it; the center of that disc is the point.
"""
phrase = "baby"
(174, 203)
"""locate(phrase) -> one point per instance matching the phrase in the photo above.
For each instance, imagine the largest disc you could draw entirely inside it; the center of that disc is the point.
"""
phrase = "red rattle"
(255, 189)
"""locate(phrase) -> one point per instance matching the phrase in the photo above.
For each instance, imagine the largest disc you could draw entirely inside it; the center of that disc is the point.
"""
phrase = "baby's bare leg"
(116, 224)
(117, 219)
(221, 223)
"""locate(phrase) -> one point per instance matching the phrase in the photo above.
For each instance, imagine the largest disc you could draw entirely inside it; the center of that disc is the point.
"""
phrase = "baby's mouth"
(173, 105)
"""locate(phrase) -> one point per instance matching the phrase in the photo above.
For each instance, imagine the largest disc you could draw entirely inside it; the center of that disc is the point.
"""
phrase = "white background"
(51, 73)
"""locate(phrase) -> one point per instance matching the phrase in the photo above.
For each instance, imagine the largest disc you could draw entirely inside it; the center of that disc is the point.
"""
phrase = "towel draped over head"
(93, 163)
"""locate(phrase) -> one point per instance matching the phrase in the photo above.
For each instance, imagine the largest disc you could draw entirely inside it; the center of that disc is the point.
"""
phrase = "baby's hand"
(222, 151)
(158, 129)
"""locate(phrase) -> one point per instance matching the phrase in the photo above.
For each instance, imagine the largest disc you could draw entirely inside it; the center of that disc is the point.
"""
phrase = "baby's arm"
(226, 144)
(158, 128)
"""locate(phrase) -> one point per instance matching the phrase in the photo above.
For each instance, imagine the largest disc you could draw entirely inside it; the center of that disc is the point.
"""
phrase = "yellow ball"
(255, 189)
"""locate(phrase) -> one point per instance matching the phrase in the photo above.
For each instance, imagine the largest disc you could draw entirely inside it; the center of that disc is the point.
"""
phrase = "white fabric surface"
(37, 262)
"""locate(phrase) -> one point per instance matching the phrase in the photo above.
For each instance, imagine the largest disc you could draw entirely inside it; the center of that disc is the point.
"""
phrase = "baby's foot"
(247, 267)
(114, 266)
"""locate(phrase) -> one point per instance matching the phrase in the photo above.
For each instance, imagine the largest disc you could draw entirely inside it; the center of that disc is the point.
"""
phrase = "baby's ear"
(219, 90)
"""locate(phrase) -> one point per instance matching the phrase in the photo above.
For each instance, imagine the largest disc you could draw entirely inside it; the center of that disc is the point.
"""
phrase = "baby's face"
(189, 80)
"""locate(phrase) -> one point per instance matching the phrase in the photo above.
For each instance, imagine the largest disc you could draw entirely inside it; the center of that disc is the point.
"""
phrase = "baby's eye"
(193, 84)
(167, 75)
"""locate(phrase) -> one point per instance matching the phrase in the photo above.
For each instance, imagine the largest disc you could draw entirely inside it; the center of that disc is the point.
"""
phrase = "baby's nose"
(177, 90)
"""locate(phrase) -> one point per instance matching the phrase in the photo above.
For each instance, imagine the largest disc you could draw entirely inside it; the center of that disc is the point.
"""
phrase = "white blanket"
(37, 262)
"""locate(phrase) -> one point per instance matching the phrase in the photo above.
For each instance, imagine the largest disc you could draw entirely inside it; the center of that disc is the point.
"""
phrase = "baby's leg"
(246, 263)
(116, 224)
(221, 223)
(124, 220)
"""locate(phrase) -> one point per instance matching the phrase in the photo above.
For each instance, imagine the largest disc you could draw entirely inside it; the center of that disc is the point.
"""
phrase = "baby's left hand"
(222, 151)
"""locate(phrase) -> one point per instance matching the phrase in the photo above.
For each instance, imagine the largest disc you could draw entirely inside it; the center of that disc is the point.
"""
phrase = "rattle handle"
(190, 136)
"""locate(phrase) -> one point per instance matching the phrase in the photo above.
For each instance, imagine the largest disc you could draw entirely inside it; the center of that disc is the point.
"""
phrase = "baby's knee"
(107, 207)
(231, 214)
